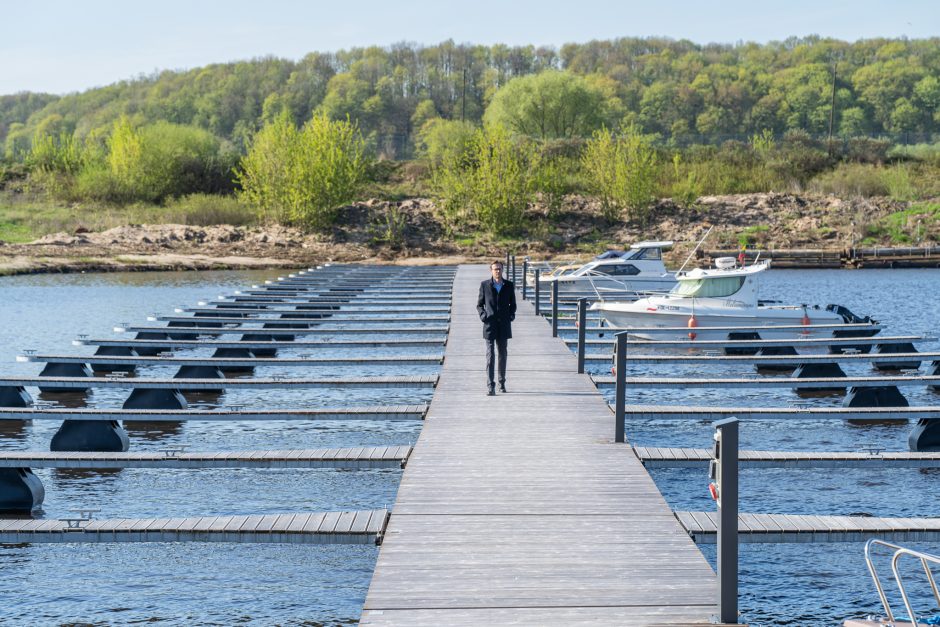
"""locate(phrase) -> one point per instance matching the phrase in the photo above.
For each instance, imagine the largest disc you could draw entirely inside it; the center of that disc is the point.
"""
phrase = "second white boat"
(725, 296)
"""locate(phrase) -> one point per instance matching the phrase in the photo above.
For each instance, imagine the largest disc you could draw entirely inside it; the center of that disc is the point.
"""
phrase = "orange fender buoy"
(805, 322)
(693, 323)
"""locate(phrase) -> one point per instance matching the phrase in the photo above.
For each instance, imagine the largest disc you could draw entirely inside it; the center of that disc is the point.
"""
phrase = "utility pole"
(463, 106)
(832, 103)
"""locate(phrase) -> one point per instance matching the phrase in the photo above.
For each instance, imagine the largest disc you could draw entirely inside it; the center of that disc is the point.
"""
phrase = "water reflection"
(155, 431)
(70, 399)
(14, 430)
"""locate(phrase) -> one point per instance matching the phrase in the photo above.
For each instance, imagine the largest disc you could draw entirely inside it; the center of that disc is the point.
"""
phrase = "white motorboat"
(725, 296)
(639, 270)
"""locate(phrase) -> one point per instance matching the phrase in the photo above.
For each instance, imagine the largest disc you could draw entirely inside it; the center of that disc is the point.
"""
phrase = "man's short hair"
(497, 263)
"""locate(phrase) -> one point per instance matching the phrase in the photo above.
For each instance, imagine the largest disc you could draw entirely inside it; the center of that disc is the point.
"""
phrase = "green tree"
(501, 180)
(303, 177)
(622, 172)
(442, 140)
(17, 142)
(329, 169)
(125, 156)
(905, 117)
(491, 181)
(550, 105)
(853, 122)
(61, 154)
(265, 173)
(163, 160)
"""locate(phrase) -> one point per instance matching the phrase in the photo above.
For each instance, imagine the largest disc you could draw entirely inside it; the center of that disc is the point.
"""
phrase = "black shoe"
(502, 388)
(491, 392)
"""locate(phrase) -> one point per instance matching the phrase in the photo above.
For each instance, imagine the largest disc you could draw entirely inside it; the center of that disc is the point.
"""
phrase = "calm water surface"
(190, 584)
(119, 584)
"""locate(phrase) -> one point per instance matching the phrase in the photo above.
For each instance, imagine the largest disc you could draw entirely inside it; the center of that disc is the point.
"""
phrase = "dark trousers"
(500, 345)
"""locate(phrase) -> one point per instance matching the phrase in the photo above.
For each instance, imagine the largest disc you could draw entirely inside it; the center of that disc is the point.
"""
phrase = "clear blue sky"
(60, 46)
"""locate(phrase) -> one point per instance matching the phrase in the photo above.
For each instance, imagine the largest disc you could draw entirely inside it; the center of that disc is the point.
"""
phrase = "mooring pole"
(724, 474)
(582, 323)
(538, 311)
(620, 398)
(525, 273)
(554, 308)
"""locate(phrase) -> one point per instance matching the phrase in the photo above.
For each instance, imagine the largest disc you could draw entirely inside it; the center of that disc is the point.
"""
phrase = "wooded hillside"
(679, 90)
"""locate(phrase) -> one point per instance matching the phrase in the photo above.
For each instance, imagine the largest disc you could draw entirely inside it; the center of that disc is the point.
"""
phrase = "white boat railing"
(926, 560)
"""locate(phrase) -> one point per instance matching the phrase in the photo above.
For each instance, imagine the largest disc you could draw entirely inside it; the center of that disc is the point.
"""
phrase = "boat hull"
(703, 320)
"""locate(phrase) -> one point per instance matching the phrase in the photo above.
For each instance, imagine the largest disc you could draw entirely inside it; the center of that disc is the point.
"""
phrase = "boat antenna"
(700, 242)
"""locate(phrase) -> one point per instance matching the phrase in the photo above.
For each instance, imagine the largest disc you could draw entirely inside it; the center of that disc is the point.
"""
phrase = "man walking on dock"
(496, 305)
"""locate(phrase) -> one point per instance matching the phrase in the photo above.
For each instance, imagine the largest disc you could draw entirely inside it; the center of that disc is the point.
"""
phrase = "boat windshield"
(712, 287)
(647, 253)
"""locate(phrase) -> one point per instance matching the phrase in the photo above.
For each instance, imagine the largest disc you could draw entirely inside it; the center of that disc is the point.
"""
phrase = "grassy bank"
(27, 217)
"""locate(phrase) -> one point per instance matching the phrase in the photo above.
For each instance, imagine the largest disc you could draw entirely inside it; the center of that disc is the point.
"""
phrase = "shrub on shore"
(302, 176)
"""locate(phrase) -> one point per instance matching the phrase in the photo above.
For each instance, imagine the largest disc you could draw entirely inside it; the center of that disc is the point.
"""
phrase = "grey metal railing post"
(513, 266)
(538, 311)
(726, 478)
(582, 323)
(525, 273)
(554, 308)
(506, 267)
(620, 396)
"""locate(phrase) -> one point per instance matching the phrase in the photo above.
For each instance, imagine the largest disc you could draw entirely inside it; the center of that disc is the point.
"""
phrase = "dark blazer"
(497, 312)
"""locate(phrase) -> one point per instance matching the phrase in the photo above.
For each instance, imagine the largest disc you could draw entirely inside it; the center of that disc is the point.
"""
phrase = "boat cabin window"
(620, 269)
(709, 288)
(648, 253)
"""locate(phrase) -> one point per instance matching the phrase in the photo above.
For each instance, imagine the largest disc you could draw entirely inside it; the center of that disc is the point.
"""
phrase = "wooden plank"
(536, 507)
(198, 384)
(381, 412)
(681, 457)
(270, 527)
(770, 382)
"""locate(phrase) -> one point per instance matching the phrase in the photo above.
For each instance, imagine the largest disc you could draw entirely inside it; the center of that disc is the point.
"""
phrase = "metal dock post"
(525, 272)
(554, 308)
(620, 399)
(538, 311)
(582, 324)
(725, 491)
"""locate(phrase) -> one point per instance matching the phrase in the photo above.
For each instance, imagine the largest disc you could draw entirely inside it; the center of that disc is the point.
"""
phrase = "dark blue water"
(807, 584)
(191, 584)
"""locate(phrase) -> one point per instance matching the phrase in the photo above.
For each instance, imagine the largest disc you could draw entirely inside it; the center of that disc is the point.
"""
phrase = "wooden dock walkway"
(771, 382)
(657, 457)
(356, 458)
(351, 527)
(711, 414)
(774, 528)
(275, 332)
(211, 384)
(773, 360)
(252, 344)
(520, 509)
(381, 412)
(223, 362)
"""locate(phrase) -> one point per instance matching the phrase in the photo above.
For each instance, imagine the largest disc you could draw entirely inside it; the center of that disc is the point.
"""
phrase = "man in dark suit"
(497, 308)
